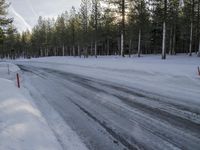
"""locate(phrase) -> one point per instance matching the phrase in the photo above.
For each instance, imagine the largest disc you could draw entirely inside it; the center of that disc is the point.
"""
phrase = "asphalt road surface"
(110, 116)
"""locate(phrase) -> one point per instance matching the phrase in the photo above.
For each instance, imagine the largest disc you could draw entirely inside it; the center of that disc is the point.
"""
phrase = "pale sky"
(26, 12)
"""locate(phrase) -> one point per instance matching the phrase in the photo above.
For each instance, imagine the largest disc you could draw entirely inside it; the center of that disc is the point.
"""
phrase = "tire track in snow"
(87, 83)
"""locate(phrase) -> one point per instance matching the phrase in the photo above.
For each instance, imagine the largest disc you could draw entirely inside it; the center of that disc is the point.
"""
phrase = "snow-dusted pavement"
(110, 115)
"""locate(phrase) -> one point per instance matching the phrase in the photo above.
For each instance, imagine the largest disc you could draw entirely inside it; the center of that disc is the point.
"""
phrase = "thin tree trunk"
(163, 43)
(174, 42)
(41, 52)
(191, 29)
(196, 40)
(71, 51)
(63, 50)
(79, 52)
(91, 49)
(198, 27)
(108, 47)
(170, 42)
(119, 46)
(74, 53)
(164, 31)
(130, 45)
(139, 43)
(54, 51)
(47, 51)
(96, 27)
(95, 49)
(199, 48)
(191, 38)
(86, 52)
(122, 44)
(123, 28)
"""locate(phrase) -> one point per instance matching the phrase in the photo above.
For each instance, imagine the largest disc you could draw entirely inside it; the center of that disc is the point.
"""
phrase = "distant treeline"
(110, 27)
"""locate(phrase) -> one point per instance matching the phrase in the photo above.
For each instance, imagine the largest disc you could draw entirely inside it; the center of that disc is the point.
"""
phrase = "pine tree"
(191, 27)
(4, 22)
(198, 26)
(72, 28)
(120, 9)
(111, 27)
(60, 30)
(164, 31)
(95, 17)
(84, 11)
(142, 20)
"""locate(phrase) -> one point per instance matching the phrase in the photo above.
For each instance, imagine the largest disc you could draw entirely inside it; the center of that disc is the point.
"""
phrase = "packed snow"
(113, 102)
(22, 125)
(177, 77)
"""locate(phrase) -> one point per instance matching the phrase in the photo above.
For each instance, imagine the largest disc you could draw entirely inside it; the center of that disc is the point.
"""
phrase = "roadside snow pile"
(22, 126)
(8, 70)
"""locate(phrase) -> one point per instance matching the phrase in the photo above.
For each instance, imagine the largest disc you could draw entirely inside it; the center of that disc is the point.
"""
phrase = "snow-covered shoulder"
(22, 126)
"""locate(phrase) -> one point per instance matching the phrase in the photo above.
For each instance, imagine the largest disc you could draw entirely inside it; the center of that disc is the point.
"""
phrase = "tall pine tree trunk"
(170, 41)
(86, 52)
(95, 48)
(122, 44)
(199, 48)
(79, 51)
(54, 51)
(198, 27)
(47, 51)
(164, 41)
(130, 45)
(108, 47)
(63, 50)
(164, 31)
(74, 53)
(191, 39)
(139, 43)
(123, 28)
(191, 29)
(174, 42)
(41, 52)
(96, 27)
(91, 49)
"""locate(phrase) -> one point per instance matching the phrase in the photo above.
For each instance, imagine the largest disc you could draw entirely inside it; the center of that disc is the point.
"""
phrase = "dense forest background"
(108, 27)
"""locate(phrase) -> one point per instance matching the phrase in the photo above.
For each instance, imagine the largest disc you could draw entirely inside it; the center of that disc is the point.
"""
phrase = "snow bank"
(8, 70)
(22, 126)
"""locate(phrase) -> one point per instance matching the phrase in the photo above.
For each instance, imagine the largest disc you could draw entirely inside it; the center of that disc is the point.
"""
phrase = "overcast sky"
(26, 12)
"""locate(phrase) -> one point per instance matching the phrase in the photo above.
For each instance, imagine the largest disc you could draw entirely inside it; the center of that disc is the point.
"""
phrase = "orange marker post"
(199, 70)
(18, 83)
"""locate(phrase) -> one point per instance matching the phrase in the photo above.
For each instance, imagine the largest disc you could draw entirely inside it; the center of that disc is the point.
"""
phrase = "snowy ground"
(22, 126)
(175, 77)
(116, 103)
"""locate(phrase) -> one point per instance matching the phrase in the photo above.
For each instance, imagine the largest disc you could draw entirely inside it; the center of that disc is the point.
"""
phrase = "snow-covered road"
(107, 115)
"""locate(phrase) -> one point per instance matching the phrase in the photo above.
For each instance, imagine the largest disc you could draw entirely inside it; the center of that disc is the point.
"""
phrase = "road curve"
(109, 116)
